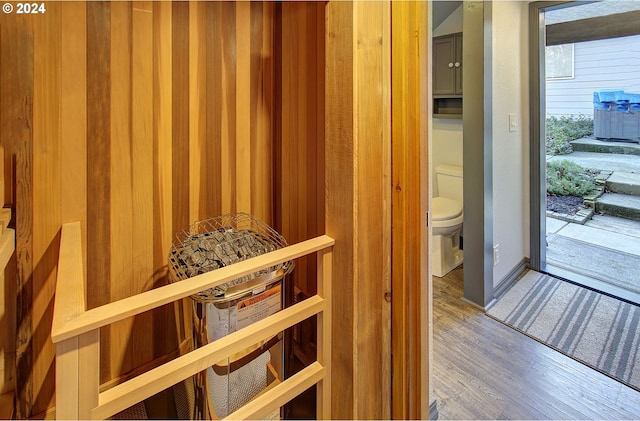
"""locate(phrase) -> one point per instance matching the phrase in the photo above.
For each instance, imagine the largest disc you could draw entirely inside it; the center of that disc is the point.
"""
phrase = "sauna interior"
(137, 119)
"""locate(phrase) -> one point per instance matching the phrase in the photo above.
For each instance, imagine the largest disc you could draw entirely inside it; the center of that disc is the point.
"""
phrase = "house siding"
(603, 64)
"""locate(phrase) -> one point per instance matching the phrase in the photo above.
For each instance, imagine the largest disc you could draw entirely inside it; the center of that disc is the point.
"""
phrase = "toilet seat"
(445, 209)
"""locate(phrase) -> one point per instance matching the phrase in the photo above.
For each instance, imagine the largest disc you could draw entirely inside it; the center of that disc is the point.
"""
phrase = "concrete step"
(624, 183)
(614, 224)
(603, 161)
(604, 146)
(622, 205)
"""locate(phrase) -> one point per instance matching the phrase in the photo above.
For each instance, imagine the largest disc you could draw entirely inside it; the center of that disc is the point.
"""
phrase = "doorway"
(591, 246)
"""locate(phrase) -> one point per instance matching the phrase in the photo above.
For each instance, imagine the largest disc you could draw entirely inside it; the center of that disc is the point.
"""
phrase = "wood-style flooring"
(483, 369)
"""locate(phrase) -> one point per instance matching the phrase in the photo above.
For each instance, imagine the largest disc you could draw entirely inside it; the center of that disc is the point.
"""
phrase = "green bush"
(566, 178)
(558, 146)
(560, 131)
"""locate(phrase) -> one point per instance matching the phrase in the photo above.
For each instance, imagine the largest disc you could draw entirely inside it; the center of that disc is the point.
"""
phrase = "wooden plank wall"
(358, 207)
(136, 118)
(16, 131)
(7, 305)
(299, 138)
(409, 227)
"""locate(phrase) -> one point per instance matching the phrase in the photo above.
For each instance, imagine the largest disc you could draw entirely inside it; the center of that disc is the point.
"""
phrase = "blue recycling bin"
(616, 115)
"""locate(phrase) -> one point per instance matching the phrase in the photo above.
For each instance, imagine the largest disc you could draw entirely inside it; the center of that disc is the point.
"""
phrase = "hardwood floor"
(486, 370)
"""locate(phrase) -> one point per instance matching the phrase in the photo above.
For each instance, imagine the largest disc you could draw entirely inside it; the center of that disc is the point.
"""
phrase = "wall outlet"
(496, 254)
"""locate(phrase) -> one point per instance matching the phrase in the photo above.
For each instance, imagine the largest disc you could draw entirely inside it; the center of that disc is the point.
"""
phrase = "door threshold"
(592, 284)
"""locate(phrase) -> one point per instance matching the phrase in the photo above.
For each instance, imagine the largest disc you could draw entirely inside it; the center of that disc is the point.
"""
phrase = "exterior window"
(559, 61)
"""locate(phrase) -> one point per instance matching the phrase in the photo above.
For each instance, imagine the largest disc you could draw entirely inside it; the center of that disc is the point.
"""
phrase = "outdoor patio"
(605, 248)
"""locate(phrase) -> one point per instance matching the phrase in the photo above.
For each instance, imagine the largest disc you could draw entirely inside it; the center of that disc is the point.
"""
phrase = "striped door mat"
(597, 330)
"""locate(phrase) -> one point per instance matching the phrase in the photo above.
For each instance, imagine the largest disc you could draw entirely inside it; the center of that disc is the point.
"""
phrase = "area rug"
(595, 329)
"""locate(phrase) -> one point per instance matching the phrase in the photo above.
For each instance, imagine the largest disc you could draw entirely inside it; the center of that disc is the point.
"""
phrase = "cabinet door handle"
(457, 64)
(450, 65)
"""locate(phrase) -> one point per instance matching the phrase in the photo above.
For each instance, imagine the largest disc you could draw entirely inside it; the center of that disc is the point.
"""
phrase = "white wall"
(446, 146)
(603, 64)
(510, 149)
(446, 133)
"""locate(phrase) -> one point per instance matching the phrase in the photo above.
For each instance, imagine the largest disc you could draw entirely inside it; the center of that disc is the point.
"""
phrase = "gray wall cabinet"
(447, 65)
(447, 75)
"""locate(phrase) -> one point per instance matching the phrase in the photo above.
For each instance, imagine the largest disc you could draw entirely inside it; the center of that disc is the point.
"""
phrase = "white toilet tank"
(449, 179)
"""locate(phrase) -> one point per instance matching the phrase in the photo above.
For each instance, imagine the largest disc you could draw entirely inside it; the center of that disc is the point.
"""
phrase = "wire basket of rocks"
(217, 242)
(212, 244)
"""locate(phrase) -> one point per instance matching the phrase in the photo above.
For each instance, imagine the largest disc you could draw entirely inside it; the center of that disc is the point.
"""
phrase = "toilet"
(446, 220)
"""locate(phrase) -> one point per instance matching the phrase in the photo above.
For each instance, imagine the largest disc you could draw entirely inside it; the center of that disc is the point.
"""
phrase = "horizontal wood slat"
(78, 346)
(271, 400)
(127, 307)
(135, 390)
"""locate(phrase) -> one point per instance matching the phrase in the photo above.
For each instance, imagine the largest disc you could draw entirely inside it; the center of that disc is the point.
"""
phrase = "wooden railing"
(76, 334)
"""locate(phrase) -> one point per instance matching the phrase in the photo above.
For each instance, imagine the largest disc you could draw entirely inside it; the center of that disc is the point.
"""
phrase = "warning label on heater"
(258, 307)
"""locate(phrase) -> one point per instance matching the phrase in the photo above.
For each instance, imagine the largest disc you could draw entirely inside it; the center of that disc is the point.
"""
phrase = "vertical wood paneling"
(372, 209)
(162, 172)
(243, 107)
(73, 122)
(358, 209)
(180, 114)
(299, 142)
(320, 185)
(287, 135)
(121, 178)
(142, 348)
(46, 198)
(301, 131)
(98, 150)
(197, 107)
(261, 73)
(211, 193)
(406, 241)
(340, 218)
(73, 117)
(387, 310)
(228, 98)
(163, 129)
(121, 165)
(147, 117)
(16, 118)
(98, 173)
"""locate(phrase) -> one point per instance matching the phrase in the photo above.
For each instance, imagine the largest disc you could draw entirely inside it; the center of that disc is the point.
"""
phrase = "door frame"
(537, 42)
(537, 163)
(410, 202)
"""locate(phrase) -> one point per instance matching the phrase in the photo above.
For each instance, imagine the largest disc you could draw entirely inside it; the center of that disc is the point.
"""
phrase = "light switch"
(513, 124)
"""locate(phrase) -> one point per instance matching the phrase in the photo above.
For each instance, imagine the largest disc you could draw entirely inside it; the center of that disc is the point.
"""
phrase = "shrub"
(562, 130)
(558, 146)
(566, 178)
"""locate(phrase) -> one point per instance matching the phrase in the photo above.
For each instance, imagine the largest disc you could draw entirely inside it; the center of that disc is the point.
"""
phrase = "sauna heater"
(212, 244)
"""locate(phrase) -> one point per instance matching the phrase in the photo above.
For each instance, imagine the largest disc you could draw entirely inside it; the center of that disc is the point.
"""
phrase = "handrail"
(70, 301)
(69, 323)
(75, 332)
